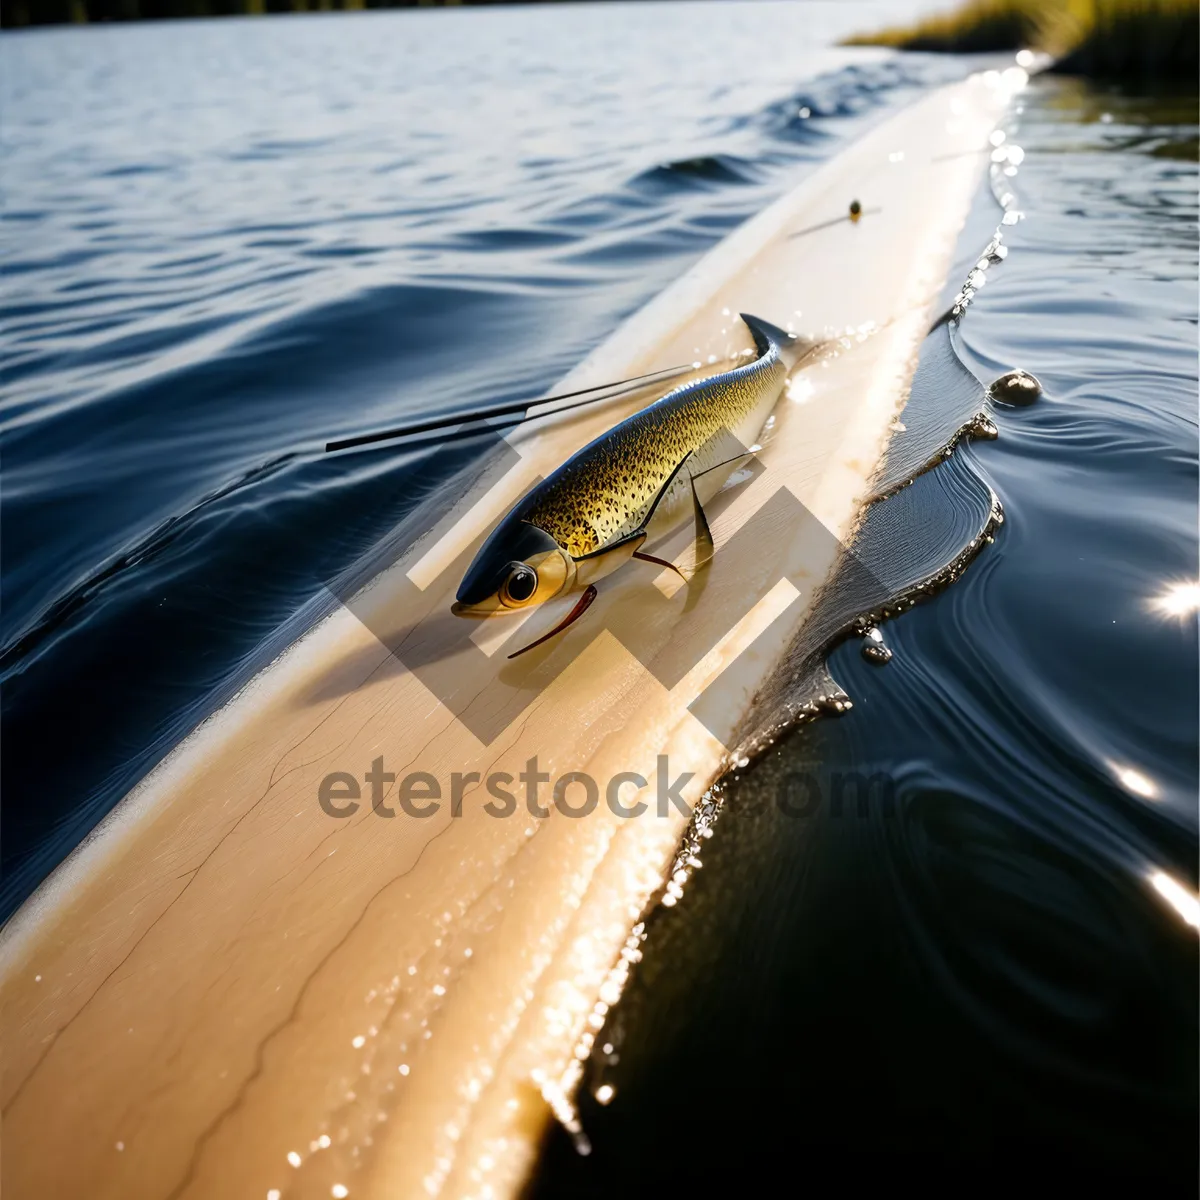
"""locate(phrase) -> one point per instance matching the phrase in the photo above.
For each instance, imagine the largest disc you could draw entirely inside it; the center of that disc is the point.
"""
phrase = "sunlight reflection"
(1177, 600)
(1134, 781)
(800, 390)
(1184, 902)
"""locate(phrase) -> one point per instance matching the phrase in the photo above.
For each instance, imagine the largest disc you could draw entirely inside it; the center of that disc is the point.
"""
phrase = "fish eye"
(520, 585)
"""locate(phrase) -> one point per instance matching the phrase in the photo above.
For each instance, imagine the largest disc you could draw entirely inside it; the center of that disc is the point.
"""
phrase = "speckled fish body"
(604, 492)
(605, 495)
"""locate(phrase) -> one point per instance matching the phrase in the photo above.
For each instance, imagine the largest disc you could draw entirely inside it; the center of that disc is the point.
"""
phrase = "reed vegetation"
(1138, 38)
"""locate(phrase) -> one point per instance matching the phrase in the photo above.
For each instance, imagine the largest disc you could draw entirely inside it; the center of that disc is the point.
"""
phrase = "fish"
(628, 486)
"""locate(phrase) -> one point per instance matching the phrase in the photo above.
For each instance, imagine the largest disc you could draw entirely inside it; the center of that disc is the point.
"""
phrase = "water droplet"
(983, 427)
(873, 648)
(1016, 387)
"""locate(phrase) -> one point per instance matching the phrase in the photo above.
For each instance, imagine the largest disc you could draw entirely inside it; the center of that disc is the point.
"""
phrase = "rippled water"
(933, 939)
(227, 241)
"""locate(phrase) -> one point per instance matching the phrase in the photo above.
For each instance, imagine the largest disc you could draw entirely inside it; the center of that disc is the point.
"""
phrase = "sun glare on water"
(1184, 902)
(1177, 600)
(1135, 781)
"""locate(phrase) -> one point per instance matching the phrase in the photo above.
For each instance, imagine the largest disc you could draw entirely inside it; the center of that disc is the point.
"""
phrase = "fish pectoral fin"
(662, 562)
(704, 538)
(584, 603)
(607, 559)
(727, 463)
(704, 548)
(662, 491)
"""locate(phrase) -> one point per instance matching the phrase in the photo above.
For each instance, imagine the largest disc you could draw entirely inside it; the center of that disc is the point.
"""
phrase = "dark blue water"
(225, 242)
(933, 940)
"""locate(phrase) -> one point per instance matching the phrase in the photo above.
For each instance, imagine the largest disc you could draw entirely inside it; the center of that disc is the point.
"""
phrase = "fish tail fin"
(791, 348)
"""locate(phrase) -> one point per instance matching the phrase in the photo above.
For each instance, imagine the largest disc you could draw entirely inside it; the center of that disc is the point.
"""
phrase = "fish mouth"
(485, 609)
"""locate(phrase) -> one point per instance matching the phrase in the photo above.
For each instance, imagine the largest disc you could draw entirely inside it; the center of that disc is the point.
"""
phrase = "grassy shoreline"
(1116, 38)
(19, 14)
